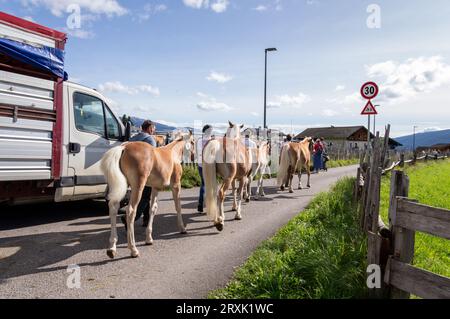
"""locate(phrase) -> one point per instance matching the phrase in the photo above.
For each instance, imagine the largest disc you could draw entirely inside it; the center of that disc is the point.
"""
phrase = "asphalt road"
(39, 242)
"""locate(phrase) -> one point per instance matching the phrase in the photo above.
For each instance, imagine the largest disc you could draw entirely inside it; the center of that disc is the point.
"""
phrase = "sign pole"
(369, 91)
(368, 132)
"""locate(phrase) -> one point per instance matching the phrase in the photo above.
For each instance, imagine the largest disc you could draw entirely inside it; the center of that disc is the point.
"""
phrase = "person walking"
(201, 143)
(146, 135)
(247, 141)
(325, 157)
(317, 150)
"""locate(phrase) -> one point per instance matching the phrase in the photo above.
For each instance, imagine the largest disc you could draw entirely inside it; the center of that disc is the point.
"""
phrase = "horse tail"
(117, 182)
(210, 177)
(284, 165)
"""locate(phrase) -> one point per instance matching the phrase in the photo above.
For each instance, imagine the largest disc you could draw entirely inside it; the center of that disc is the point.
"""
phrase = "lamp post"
(374, 121)
(265, 85)
(414, 138)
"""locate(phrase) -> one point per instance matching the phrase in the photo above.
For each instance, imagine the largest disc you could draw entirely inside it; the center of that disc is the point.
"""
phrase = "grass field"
(430, 185)
(319, 254)
(340, 163)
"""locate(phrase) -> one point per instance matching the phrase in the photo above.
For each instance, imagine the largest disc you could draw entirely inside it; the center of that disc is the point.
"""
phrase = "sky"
(185, 62)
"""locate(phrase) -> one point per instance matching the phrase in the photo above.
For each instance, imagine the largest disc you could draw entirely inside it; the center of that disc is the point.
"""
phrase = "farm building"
(443, 148)
(343, 137)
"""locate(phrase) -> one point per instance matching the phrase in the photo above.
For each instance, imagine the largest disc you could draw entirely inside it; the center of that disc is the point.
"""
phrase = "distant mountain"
(159, 127)
(425, 139)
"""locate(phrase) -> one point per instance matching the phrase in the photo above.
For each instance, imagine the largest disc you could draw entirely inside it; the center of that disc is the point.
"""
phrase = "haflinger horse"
(228, 158)
(261, 159)
(138, 164)
(295, 156)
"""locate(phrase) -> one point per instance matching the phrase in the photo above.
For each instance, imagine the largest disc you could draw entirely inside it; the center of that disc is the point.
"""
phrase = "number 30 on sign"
(369, 90)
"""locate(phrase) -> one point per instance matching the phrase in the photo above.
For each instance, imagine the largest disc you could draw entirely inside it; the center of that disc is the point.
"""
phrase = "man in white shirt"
(201, 142)
(247, 141)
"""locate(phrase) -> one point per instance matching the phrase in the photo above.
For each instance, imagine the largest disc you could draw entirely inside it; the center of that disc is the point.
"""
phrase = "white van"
(53, 133)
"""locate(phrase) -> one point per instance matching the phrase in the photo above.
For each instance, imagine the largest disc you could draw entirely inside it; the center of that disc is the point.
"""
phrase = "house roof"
(331, 132)
(337, 133)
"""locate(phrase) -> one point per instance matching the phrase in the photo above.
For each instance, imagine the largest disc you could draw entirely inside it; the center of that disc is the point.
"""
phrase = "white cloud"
(28, 18)
(80, 33)
(149, 10)
(278, 5)
(340, 87)
(220, 6)
(260, 8)
(254, 113)
(432, 129)
(329, 113)
(118, 87)
(210, 104)
(400, 82)
(109, 8)
(219, 77)
(197, 4)
(217, 6)
(295, 101)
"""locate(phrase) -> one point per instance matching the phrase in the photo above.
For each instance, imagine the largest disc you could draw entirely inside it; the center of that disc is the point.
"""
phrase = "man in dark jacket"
(146, 135)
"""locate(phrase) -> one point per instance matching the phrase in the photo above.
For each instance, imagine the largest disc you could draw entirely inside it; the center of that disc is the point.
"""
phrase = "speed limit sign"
(369, 90)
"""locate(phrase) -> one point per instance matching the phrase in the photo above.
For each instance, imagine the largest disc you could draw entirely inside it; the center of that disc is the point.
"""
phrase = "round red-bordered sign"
(369, 90)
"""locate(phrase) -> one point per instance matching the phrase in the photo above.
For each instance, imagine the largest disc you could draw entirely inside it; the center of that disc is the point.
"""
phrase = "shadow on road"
(39, 253)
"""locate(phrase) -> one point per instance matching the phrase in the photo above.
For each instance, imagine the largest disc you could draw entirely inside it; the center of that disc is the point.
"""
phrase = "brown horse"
(160, 140)
(232, 161)
(295, 156)
(138, 164)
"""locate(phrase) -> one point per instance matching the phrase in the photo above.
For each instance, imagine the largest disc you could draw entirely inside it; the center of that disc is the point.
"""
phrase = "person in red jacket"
(318, 151)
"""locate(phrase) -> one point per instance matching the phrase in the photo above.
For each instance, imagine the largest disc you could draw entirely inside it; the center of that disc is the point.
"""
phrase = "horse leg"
(113, 208)
(177, 200)
(136, 193)
(234, 208)
(300, 178)
(153, 209)
(308, 170)
(220, 198)
(242, 183)
(260, 190)
(248, 188)
(291, 177)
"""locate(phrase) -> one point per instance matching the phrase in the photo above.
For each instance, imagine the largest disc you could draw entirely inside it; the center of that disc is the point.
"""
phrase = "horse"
(138, 164)
(261, 159)
(232, 161)
(160, 140)
(295, 156)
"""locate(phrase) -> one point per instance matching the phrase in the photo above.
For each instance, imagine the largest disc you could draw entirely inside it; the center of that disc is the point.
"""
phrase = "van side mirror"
(127, 134)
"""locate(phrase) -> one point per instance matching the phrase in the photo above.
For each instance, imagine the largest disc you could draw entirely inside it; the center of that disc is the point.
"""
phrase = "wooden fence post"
(402, 239)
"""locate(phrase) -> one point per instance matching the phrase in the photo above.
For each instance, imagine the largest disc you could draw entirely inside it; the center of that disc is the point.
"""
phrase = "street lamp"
(265, 85)
(374, 121)
(414, 138)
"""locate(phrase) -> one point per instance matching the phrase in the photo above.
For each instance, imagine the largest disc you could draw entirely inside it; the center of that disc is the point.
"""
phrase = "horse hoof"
(111, 253)
(309, 186)
(291, 191)
(184, 231)
(219, 227)
(150, 243)
(238, 217)
(234, 209)
(134, 254)
(247, 200)
(282, 188)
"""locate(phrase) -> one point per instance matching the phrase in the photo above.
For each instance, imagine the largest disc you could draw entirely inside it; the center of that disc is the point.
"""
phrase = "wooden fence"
(392, 247)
